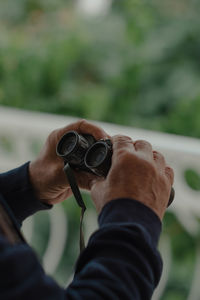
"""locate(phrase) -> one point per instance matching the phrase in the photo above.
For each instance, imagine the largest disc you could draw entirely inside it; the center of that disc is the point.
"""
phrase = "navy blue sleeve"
(22, 277)
(121, 260)
(17, 190)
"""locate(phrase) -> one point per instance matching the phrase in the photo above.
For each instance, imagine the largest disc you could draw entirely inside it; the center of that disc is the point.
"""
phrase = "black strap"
(72, 181)
(171, 197)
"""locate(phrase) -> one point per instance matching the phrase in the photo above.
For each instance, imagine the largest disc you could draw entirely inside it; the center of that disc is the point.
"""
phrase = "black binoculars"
(84, 153)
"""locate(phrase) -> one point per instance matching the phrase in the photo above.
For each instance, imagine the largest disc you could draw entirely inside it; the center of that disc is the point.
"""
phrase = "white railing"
(22, 131)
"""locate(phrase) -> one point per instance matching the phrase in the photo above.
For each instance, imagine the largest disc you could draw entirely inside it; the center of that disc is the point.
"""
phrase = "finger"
(62, 196)
(144, 148)
(85, 179)
(68, 193)
(84, 127)
(97, 132)
(170, 174)
(159, 160)
(122, 144)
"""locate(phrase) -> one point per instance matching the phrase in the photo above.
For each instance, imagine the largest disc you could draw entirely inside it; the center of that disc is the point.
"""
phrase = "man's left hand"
(46, 172)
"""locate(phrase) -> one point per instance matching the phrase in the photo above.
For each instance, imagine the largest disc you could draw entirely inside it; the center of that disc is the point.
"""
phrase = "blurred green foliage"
(183, 257)
(137, 65)
(193, 179)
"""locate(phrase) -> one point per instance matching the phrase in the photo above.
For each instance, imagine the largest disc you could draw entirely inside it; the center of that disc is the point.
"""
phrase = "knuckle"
(156, 152)
(121, 143)
(169, 173)
(121, 138)
(142, 143)
(80, 123)
(159, 155)
(168, 169)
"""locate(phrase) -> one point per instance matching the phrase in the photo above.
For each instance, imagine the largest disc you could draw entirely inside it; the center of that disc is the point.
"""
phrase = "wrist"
(35, 178)
(126, 211)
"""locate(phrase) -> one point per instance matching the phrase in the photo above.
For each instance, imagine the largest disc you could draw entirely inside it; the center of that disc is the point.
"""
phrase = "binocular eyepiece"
(84, 153)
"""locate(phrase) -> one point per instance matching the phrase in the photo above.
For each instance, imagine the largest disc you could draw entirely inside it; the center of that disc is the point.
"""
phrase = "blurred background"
(133, 63)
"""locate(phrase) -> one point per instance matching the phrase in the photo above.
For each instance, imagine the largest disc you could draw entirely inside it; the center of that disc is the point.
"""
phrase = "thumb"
(96, 182)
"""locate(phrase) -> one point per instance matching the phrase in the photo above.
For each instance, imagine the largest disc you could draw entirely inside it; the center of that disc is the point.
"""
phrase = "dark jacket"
(121, 260)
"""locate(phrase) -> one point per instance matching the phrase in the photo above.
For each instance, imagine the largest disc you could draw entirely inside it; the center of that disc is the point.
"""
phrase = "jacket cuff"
(19, 194)
(125, 211)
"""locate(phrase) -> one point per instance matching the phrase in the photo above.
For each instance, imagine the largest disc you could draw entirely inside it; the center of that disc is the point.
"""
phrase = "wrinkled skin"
(137, 172)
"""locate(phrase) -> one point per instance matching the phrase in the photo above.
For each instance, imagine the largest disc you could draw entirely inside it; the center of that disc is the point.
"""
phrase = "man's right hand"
(137, 172)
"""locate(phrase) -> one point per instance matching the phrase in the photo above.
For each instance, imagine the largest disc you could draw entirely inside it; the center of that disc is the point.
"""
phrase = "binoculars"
(84, 153)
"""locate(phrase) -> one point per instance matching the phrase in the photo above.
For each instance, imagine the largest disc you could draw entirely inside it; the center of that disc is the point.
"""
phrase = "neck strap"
(75, 189)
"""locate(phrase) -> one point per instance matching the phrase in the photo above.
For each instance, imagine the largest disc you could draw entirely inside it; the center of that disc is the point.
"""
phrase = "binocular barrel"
(85, 153)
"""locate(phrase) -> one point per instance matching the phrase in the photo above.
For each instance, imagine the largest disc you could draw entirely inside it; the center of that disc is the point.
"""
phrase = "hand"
(46, 172)
(138, 173)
